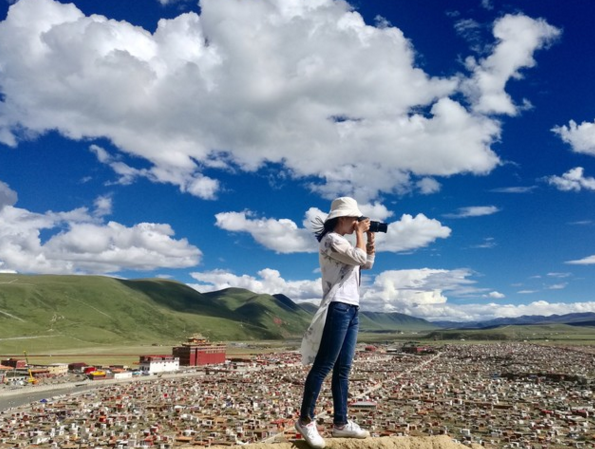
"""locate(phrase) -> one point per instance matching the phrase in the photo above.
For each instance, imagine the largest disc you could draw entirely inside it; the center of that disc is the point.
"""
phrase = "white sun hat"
(344, 207)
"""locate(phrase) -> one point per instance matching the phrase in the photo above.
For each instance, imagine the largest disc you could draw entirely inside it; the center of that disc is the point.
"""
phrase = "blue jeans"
(336, 352)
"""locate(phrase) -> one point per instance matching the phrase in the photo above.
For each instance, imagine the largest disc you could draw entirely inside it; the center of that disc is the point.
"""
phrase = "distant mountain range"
(82, 311)
(577, 319)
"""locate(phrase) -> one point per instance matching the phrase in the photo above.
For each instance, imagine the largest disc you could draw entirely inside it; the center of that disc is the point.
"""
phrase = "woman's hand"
(362, 226)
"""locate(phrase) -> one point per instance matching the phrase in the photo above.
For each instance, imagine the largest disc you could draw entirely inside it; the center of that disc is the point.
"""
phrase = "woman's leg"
(340, 379)
(338, 321)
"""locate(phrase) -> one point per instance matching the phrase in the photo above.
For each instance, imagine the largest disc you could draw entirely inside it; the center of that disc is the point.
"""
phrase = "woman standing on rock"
(329, 342)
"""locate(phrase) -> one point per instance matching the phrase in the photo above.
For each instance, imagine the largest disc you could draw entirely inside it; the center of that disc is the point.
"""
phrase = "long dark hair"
(321, 228)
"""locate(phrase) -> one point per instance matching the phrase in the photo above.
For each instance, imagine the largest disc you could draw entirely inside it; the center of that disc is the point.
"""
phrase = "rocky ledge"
(437, 442)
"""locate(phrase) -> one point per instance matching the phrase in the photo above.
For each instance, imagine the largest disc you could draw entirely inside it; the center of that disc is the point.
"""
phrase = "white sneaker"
(350, 430)
(310, 433)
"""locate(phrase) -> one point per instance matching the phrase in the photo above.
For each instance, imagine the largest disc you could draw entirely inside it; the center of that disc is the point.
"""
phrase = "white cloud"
(496, 295)
(326, 87)
(572, 180)
(201, 186)
(269, 281)
(470, 30)
(282, 236)
(81, 242)
(482, 312)
(114, 247)
(465, 26)
(488, 242)
(487, 4)
(590, 260)
(428, 186)
(411, 233)
(194, 183)
(559, 275)
(417, 292)
(8, 197)
(515, 189)
(285, 236)
(103, 206)
(375, 211)
(518, 37)
(473, 211)
(174, 2)
(547, 308)
(580, 137)
(401, 291)
(126, 174)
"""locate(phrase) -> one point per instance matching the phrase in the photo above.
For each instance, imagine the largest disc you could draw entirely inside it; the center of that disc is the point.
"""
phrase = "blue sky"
(196, 141)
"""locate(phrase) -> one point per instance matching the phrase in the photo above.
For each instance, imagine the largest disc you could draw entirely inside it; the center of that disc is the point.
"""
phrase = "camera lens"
(376, 226)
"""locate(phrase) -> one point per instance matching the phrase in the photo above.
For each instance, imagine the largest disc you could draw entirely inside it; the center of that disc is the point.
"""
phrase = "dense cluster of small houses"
(500, 395)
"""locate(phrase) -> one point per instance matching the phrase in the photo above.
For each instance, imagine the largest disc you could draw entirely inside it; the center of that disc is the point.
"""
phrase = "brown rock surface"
(437, 442)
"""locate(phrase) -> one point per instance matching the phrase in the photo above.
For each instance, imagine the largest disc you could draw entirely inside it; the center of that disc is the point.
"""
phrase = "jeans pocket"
(340, 307)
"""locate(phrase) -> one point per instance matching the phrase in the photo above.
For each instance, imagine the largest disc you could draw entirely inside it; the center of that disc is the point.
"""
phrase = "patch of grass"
(534, 332)
(129, 355)
(128, 358)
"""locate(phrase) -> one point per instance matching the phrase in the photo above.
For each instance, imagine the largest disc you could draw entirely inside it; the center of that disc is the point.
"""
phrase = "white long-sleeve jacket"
(340, 263)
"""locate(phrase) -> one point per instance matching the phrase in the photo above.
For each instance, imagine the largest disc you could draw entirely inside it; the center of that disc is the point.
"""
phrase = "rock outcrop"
(437, 442)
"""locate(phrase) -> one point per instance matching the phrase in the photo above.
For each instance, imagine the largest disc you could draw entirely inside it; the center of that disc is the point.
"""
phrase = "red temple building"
(198, 351)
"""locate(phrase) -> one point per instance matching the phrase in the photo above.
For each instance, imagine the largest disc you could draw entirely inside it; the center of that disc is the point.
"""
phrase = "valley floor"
(498, 395)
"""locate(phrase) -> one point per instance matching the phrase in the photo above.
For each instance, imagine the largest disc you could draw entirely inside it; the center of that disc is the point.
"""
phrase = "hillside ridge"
(72, 311)
(78, 311)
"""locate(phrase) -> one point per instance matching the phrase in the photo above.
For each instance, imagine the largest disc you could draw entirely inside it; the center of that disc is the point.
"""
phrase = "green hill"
(81, 311)
(529, 332)
(89, 311)
(309, 307)
(278, 314)
(391, 322)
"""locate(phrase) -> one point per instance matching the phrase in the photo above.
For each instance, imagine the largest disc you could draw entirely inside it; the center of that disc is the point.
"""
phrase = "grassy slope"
(60, 312)
(81, 311)
(277, 315)
(375, 322)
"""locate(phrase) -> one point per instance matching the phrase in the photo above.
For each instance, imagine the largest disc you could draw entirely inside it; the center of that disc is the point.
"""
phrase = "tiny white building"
(123, 375)
(153, 364)
(58, 369)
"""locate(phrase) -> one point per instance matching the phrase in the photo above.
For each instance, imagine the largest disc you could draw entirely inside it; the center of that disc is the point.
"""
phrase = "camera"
(375, 226)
